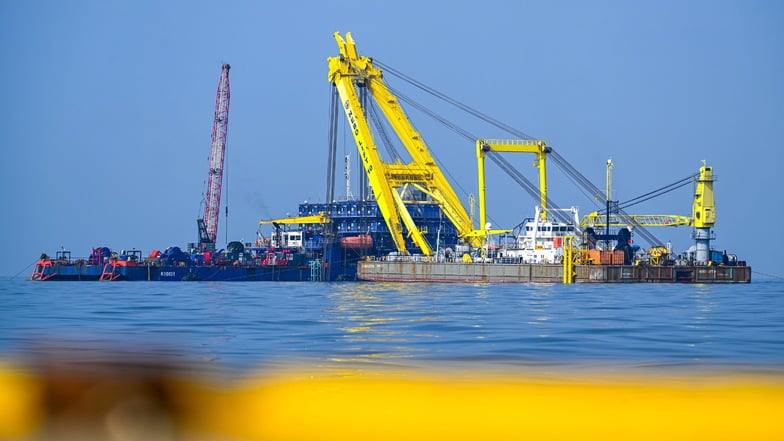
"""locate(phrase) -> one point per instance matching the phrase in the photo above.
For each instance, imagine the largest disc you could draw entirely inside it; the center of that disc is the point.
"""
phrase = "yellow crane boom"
(347, 72)
(320, 218)
(703, 210)
(597, 219)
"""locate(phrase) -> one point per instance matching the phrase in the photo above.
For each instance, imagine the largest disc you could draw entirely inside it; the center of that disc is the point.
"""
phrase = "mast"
(208, 224)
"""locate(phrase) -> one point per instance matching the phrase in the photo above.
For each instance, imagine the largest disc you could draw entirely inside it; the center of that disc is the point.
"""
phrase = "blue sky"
(107, 109)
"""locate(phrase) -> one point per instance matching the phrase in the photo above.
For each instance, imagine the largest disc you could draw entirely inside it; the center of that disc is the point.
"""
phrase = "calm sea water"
(242, 326)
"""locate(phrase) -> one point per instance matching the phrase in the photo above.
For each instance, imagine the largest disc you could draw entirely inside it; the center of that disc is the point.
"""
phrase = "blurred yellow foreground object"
(122, 404)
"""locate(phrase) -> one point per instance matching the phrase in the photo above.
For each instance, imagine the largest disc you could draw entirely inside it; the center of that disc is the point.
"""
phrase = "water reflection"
(396, 322)
(438, 323)
(409, 325)
(538, 304)
(366, 317)
(699, 329)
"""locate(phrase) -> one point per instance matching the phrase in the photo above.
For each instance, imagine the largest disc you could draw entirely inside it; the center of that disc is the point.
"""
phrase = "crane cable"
(449, 125)
(527, 185)
(559, 160)
(601, 197)
(504, 164)
(660, 191)
(575, 176)
(439, 119)
(381, 130)
(565, 166)
(333, 143)
(453, 101)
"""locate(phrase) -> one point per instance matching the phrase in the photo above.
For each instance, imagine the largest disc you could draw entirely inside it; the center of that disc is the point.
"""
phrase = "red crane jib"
(217, 153)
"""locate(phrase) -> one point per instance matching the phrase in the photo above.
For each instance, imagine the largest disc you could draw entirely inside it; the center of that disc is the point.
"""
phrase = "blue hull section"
(281, 273)
(220, 273)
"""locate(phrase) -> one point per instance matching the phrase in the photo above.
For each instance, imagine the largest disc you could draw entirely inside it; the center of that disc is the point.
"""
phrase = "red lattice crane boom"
(208, 225)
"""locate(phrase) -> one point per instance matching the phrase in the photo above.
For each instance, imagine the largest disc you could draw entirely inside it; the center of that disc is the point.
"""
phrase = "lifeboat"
(360, 242)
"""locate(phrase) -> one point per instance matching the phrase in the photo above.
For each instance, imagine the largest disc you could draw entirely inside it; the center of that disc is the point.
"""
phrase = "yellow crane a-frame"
(349, 70)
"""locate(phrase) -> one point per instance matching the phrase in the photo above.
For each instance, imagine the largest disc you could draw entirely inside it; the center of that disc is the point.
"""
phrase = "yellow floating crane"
(349, 71)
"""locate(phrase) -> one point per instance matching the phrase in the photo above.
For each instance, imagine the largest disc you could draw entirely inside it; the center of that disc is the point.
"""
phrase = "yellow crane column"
(703, 213)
